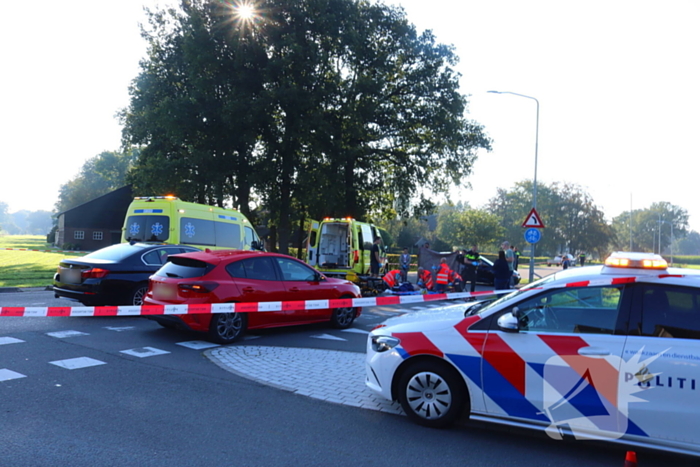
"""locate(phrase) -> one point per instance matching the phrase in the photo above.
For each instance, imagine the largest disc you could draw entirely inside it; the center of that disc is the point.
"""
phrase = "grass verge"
(28, 268)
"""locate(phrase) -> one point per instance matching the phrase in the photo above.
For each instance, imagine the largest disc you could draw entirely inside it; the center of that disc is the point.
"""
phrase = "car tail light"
(356, 256)
(197, 287)
(93, 273)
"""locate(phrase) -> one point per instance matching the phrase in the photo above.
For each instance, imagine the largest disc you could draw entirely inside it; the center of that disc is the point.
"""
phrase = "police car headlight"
(384, 343)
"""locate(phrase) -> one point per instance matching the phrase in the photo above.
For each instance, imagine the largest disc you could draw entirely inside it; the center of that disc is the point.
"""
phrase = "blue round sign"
(533, 235)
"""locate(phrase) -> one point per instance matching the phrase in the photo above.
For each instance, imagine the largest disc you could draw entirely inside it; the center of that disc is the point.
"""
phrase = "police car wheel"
(138, 294)
(342, 318)
(225, 328)
(432, 394)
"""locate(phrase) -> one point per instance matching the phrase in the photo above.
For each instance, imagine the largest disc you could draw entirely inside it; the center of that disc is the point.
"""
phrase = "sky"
(617, 81)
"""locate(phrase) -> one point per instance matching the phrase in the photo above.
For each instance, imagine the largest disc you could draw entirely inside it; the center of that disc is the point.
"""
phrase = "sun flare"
(245, 11)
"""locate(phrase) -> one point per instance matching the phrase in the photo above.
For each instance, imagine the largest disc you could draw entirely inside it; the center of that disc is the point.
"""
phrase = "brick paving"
(328, 375)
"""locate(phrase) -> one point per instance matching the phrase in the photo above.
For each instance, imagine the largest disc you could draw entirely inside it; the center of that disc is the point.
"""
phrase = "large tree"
(98, 176)
(196, 107)
(464, 227)
(572, 220)
(651, 229)
(320, 107)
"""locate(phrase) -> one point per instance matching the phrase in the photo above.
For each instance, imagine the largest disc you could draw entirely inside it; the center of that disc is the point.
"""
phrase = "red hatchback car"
(229, 276)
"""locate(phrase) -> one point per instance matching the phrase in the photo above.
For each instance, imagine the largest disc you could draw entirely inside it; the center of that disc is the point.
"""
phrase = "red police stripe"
(505, 360)
(416, 343)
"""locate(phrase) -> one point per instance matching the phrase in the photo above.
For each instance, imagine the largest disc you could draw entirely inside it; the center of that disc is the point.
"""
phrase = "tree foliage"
(688, 245)
(465, 227)
(651, 229)
(98, 176)
(313, 108)
(572, 221)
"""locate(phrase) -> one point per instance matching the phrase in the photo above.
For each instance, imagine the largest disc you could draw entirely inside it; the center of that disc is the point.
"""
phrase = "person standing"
(405, 264)
(582, 258)
(565, 261)
(502, 273)
(472, 259)
(443, 276)
(459, 259)
(516, 257)
(374, 260)
(510, 259)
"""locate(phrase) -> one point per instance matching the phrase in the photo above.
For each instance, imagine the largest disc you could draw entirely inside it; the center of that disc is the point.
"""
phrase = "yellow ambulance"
(341, 247)
(168, 219)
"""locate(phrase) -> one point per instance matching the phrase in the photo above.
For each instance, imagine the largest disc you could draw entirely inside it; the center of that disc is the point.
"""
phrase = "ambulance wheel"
(225, 328)
(342, 318)
(432, 393)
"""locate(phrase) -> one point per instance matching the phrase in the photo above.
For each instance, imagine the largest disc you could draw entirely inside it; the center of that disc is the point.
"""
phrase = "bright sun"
(246, 11)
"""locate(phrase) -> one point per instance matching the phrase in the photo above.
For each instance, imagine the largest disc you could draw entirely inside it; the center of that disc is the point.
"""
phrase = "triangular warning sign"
(533, 220)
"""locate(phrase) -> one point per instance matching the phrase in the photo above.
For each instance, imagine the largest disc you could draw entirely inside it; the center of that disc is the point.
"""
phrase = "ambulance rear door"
(312, 243)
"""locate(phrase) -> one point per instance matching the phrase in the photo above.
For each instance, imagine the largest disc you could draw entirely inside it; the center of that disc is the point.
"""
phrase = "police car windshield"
(481, 307)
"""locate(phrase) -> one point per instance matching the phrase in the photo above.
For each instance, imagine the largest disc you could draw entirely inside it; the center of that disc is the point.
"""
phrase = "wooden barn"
(96, 223)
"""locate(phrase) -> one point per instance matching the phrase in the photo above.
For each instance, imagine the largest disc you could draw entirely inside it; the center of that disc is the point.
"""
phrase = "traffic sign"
(533, 235)
(533, 220)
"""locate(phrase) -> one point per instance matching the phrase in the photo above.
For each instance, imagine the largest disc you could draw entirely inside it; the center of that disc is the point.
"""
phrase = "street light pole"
(671, 244)
(534, 188)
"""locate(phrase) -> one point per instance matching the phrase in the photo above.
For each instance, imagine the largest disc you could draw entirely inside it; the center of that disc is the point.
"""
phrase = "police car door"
(662, 358)
(561, 366)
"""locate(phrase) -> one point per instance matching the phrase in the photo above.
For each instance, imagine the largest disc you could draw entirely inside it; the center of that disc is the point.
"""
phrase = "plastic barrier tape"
(249, 307)
(257, 307)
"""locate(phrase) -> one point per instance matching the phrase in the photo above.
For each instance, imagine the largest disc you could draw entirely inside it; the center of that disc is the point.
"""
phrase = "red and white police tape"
(249, 307)
(253, 307)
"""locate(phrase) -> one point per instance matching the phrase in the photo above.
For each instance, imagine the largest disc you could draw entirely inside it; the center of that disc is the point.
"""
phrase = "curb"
(47, 288)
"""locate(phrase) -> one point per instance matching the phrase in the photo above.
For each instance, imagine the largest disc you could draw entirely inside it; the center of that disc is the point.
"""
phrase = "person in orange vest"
(443, 276)
(425, 279)
(392, 278)
(456, 281)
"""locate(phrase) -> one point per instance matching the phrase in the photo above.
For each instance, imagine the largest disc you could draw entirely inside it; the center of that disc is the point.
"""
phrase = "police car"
(606, 352)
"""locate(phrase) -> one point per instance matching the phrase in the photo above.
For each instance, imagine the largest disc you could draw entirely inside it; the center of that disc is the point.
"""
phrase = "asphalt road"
(179, 408)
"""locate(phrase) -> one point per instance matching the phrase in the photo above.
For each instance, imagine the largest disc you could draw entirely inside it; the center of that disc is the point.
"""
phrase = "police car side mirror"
(508, 322)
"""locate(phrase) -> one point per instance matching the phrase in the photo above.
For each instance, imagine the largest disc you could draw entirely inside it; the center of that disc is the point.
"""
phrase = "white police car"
(601, 352)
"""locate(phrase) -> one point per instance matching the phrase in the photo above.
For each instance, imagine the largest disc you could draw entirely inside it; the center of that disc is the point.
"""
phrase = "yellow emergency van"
(168, 219)
(341, 247)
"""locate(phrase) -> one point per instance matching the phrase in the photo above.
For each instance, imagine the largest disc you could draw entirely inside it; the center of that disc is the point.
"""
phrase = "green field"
(28, 268)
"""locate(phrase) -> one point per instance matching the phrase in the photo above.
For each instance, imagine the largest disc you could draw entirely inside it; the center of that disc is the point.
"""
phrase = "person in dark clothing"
(374, 259)
(565, 262)
(459, 260)
(471, 265)
(501, 272)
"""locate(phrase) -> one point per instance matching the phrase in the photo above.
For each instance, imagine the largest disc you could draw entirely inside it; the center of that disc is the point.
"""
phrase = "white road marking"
(119, 329)
(329, 337)
(64, 334)
(144, 352)
(197, 345)
(355, 330)
(77, 363)
(9, 340)
(7, 375)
